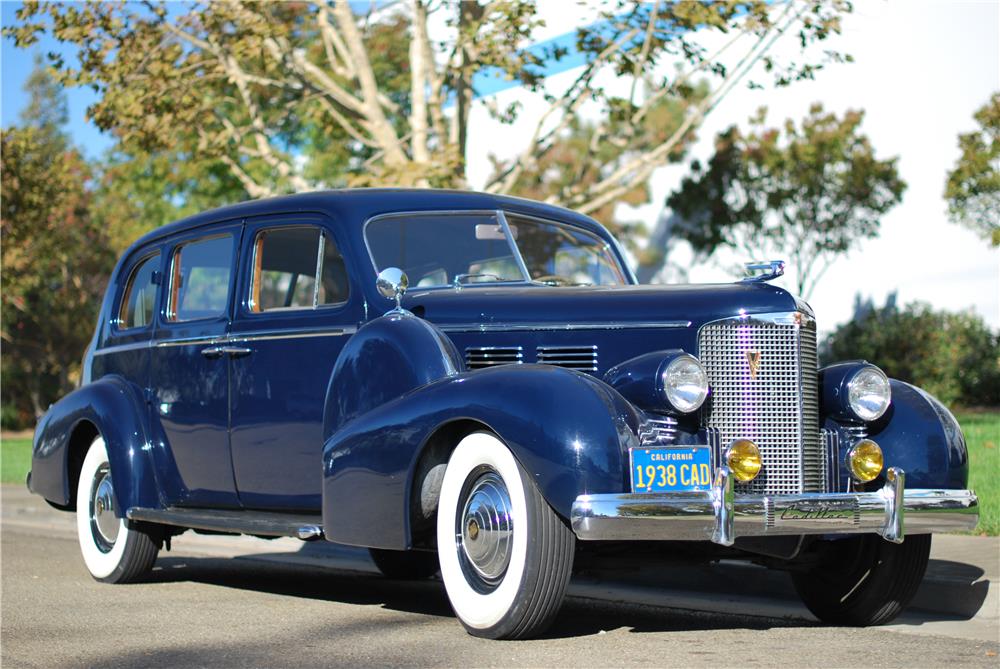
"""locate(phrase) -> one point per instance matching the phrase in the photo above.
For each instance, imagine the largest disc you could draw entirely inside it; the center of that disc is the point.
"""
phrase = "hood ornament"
(761, 271)
(753, 362)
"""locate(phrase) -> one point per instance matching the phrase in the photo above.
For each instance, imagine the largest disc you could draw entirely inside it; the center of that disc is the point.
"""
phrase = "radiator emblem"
(753, 362)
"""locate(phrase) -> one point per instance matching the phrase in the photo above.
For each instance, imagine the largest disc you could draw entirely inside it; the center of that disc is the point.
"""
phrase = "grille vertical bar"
(776, 405)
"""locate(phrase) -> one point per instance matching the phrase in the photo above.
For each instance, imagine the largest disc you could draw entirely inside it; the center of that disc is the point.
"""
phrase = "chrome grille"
(477, 357)
(776, 406)
(580, 358)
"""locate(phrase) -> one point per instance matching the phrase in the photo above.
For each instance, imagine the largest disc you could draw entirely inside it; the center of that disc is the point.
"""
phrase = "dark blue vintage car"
(516, 399)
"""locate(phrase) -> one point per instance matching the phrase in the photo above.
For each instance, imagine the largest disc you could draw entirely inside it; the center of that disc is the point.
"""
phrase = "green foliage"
(55, 259)
(15, 459)
(973, 186)
(294, 96)
(807, 192)
(982, 434)
(954, 356)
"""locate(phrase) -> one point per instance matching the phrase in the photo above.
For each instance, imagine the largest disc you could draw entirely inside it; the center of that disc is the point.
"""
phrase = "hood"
(599, 305)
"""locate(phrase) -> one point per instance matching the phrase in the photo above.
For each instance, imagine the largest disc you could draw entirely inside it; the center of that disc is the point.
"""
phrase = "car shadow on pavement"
(349, 587)
(578, 617)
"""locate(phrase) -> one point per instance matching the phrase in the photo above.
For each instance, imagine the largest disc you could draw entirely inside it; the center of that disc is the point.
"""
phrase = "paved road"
(204, 607)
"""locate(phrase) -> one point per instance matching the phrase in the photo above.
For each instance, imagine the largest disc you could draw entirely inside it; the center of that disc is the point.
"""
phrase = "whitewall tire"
(505, 556)
(114, 549)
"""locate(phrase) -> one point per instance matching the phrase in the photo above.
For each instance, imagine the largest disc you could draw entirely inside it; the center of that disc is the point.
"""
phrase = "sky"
(921, 69)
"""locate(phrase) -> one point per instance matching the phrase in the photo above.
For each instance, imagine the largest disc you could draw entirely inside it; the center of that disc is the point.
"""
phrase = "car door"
(190, 367)
(295, 309)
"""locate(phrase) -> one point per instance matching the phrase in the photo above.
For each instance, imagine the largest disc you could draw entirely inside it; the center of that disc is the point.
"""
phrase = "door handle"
(235, 351)
(212, 351)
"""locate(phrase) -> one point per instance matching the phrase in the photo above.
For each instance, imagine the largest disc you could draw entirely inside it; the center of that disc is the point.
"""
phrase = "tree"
(805, 192)
(54, 256)
(292, 96)
(954, 356)
(973, 186)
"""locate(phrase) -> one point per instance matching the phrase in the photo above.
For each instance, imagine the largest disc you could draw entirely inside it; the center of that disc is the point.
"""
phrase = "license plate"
(669, 469)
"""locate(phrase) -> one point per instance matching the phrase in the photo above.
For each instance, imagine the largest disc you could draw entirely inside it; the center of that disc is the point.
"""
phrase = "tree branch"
(381, 129)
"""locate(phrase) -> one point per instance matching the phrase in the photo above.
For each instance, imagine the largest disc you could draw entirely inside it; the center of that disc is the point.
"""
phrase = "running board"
(258, 523)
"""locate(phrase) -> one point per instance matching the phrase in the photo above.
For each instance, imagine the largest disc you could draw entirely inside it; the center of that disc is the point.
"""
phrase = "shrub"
(954, 356)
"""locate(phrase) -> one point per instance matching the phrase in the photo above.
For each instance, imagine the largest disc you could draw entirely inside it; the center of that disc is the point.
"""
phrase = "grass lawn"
(15, 459)
(982, 431)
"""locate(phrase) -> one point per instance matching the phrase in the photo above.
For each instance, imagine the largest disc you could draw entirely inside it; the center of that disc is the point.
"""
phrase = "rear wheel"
(863, 580)
(505, 556)
(404, 565)
(114, 549)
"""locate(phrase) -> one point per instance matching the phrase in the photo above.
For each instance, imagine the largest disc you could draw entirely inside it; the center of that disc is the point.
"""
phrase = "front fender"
(921, 437)
(570, 432)
(116, 409)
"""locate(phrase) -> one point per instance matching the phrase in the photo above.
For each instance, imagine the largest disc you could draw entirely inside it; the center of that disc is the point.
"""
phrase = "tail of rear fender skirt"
(569, 432)
(112, 408)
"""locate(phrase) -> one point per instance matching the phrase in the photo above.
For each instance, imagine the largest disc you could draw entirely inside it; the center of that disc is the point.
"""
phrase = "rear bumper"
(720, 516)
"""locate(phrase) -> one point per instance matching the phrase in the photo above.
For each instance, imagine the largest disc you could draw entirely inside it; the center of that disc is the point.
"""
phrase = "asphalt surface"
(240, 602)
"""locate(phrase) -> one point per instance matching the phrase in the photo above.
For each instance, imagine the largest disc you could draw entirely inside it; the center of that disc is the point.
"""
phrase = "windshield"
(457, 249)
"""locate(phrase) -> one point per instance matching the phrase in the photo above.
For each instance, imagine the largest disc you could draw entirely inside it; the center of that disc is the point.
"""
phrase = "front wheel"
(863, 580)
(505, 556)
(114, 549)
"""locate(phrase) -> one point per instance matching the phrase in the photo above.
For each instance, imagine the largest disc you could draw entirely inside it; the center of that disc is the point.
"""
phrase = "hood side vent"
(478, 357)
(580, 358)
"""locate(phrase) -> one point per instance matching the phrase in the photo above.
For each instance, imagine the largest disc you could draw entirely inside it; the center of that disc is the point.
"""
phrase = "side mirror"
(391, 284)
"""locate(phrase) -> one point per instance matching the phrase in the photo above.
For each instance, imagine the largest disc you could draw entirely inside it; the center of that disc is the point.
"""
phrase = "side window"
(296, 268)
(199, 279)
(136, 309)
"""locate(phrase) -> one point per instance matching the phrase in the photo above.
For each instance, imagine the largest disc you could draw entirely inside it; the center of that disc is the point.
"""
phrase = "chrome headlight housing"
(684, 383)
(868, 394)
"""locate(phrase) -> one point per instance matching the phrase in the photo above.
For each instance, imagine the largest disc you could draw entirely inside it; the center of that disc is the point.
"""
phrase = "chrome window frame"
(501, 216)
(246, 305)
(116, 321)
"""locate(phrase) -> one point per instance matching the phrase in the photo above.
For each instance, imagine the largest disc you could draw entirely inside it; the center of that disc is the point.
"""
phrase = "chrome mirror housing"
(391, 283)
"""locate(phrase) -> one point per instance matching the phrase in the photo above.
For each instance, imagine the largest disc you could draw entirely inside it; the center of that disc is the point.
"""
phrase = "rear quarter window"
(139, 296)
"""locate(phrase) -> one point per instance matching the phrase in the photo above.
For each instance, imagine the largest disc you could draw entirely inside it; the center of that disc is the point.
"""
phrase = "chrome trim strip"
(298, 334)
(705, 515)
(121, 348)
(230, 339)
(559, 327)
(189, 341)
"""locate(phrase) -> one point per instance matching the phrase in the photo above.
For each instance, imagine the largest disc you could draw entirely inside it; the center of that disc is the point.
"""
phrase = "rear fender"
(115, 408)
(569, 431)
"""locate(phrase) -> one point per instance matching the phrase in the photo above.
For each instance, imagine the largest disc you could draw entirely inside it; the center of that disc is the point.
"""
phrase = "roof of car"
(360, 204)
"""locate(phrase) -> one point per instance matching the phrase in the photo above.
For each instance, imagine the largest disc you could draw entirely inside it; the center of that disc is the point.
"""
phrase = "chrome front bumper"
(720, 516)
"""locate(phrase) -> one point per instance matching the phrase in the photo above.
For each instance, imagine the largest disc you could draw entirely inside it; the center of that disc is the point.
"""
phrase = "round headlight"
(868, 393)
(685, 383)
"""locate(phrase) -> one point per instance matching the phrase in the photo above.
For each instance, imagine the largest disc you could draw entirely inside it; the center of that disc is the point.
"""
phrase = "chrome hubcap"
(485, 530)
(103, 523)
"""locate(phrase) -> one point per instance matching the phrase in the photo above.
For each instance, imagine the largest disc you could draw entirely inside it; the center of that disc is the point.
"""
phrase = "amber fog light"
(743, 458)
(865, 460)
